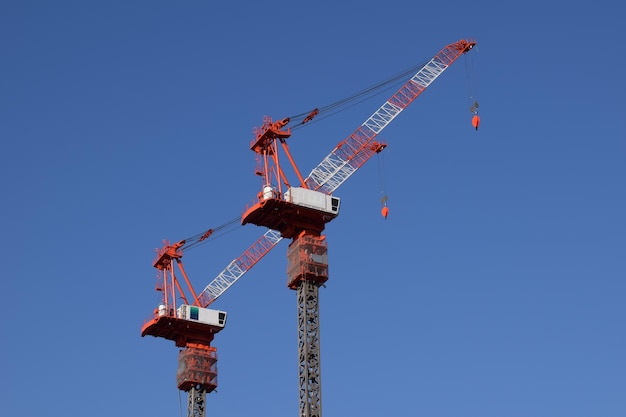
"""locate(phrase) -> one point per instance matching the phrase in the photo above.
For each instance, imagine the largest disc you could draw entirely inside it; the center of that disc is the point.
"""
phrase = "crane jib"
(341, 163)
(238, 267)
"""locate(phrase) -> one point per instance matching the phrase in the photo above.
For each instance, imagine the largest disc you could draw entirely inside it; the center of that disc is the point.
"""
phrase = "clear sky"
(495, 288)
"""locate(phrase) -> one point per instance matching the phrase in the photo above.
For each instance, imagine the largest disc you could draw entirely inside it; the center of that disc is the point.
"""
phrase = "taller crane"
(299, 213)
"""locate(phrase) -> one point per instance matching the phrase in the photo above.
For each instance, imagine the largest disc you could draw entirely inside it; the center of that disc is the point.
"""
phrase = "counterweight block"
(197, 367)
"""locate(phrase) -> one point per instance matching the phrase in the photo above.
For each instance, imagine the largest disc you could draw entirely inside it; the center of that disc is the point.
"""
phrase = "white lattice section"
(331, 172)
(429, 72)
(238, 267)
(334, 169)
(382, 117)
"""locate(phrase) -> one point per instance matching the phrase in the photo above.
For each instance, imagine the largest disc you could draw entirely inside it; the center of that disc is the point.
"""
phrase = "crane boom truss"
(238, 267)
(349, 155)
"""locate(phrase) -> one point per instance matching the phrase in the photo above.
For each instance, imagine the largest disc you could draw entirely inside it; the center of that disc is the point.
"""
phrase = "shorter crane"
(190, 325)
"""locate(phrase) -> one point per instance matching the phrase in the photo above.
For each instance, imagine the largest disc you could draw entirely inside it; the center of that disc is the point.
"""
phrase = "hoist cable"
(382, 177)
(471, 80)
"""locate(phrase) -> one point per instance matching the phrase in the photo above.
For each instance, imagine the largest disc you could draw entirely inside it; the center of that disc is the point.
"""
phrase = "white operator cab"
(215, 318)
(313, 199)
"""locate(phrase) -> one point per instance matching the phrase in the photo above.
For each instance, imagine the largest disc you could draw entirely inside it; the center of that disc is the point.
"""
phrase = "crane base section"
(181, 331)
(197, 367)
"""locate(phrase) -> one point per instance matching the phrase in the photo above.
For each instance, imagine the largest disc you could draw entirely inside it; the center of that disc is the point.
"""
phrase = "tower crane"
(299, 213)
(191, 325)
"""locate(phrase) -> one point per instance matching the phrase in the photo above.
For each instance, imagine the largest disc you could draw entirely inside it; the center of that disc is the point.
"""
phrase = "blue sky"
(495, 288)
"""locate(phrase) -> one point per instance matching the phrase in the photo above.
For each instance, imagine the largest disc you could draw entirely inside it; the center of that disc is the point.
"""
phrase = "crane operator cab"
(202, 315)
(297, 209)
(313, 199)
(188, 324)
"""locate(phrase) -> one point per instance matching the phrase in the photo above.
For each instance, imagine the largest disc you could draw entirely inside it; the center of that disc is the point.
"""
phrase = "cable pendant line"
(363, 95)
(214, 236)
(199, 238)
(346, 107)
